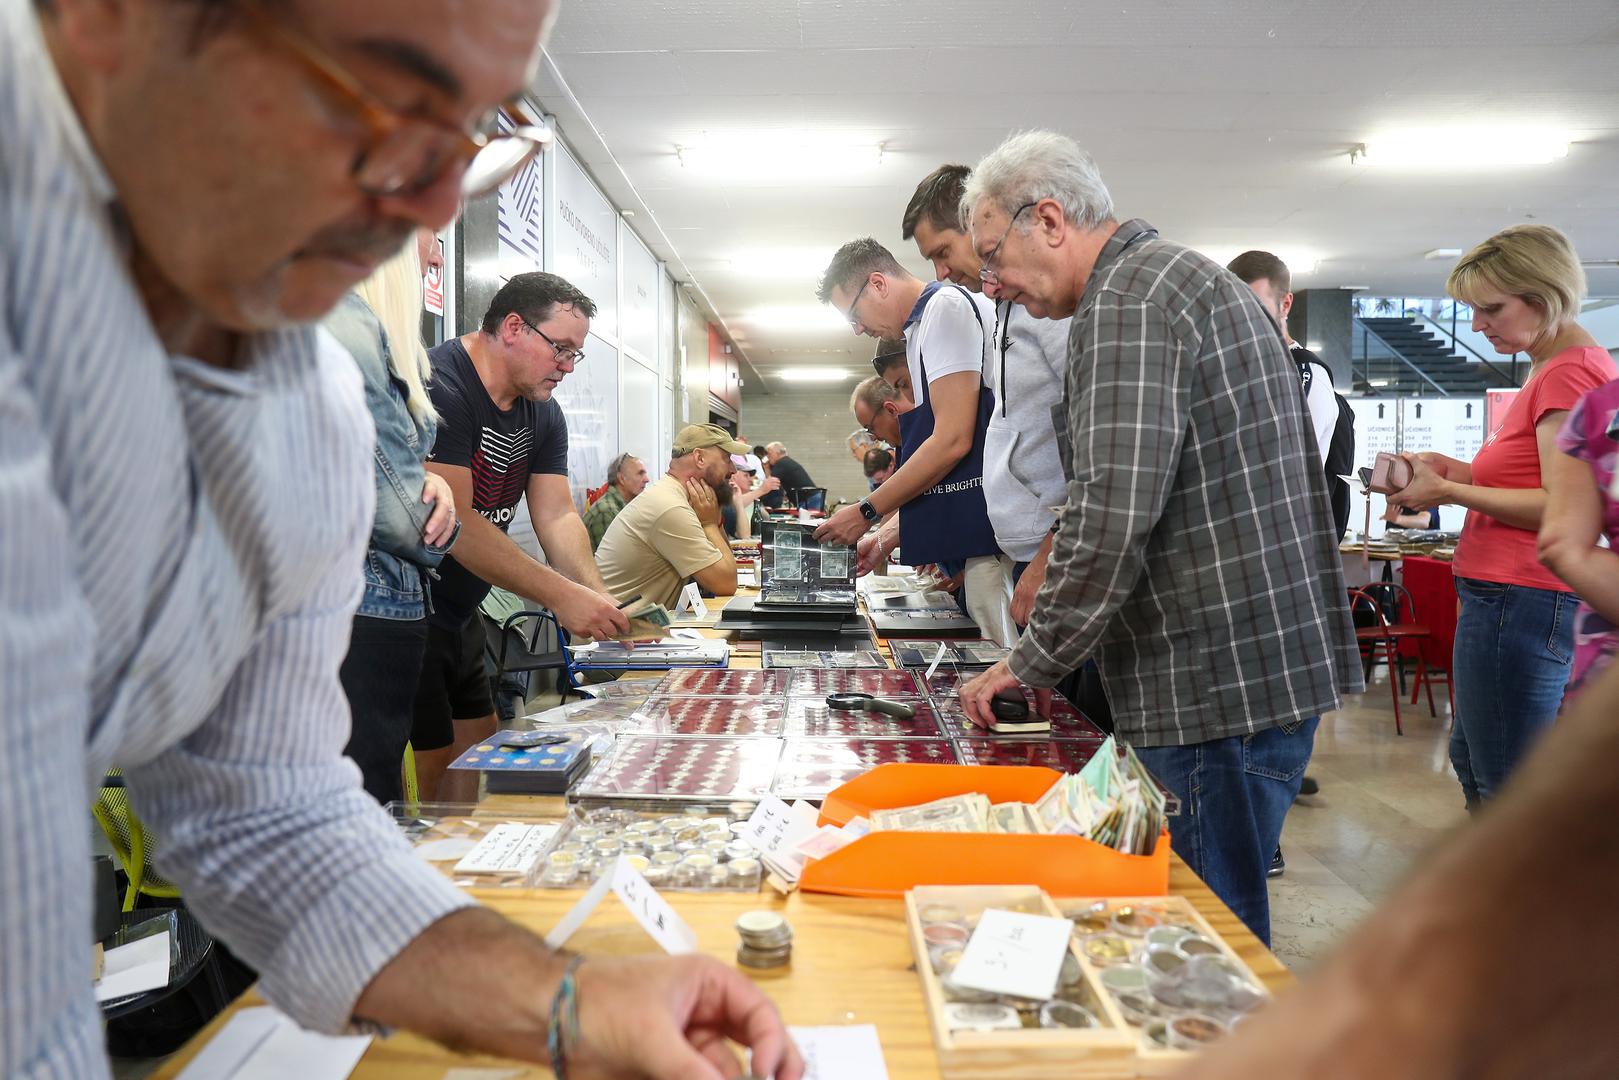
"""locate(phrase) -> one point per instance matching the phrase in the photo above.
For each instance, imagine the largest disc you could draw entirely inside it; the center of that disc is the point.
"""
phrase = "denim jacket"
(397, 560)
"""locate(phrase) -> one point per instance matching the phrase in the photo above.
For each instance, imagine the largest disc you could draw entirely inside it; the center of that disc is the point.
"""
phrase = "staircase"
(1378, 369)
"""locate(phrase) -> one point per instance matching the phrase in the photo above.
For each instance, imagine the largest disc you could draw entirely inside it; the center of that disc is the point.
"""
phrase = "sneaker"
(1277, 865)
(1309, 786)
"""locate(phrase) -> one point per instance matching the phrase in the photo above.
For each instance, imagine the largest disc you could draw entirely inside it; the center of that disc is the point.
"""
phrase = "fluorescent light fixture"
(1377, 382)
(812, 374)
(791, 263)
(1355, 288)
(797, 317)
(1443, 253)
(1299, 260)
(1314, 346)
(766, 156)
(1462, 148)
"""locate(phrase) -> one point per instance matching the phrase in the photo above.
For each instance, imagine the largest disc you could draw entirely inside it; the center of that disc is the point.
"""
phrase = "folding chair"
(515, 652)
(1387, 637)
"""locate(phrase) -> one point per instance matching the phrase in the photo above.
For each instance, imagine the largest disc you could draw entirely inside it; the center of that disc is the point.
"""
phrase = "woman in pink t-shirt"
(1514, 635)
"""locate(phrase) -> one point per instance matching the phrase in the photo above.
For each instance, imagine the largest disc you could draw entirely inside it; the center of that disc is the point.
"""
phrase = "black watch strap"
(868, 511)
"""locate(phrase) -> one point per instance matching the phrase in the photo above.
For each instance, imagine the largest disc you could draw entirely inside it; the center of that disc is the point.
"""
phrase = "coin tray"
(658, 768)
(885, 683)
(1064, 755)
(812, 718)
(723, 683)
(1067, 722)
(1116, 1047)
(592, 840)
(810, 768)
(445, 833)
(711, 716)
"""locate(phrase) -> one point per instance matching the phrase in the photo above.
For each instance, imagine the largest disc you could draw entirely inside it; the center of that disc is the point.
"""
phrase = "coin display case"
(696, 851)
(725, 682)
(809, 768)
(656, 769)
(1146, 983)
(702, 716)
(445, 834)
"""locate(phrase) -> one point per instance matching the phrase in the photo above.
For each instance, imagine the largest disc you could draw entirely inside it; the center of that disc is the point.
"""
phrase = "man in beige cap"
(671, 532)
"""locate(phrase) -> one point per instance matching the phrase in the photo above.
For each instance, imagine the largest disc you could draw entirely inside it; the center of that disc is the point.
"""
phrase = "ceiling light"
(780, 156)
(1355, 288)
(1298, 260)
(812, 374)
(1462, 148)
(1443, 253)
(1377, 382)
(797, 317)
(807, 264)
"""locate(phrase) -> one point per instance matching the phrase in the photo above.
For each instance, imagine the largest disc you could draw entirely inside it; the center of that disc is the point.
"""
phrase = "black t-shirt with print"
(502, 450)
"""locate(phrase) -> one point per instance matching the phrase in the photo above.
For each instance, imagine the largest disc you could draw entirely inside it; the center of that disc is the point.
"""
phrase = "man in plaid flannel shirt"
(1195, 557)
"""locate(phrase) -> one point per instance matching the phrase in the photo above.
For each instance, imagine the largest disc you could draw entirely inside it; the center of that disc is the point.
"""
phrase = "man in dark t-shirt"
(793, 476)
(501, 437)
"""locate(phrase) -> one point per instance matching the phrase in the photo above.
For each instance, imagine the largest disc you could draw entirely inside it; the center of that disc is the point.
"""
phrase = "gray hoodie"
(1023, 480)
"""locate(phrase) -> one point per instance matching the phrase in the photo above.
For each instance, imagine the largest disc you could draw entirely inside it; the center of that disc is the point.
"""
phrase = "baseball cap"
(699, 436)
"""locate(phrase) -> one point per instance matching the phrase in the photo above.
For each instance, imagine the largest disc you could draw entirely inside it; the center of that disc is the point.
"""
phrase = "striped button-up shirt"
(179, 566)
(1195, 557)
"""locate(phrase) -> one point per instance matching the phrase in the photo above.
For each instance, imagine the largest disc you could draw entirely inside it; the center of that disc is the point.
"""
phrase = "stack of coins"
(767, 940)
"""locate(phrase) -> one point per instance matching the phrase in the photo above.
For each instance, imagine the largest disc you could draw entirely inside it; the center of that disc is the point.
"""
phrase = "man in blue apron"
(939, 487)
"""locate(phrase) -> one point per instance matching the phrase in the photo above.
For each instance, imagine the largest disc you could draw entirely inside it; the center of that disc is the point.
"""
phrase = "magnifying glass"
(866, 703)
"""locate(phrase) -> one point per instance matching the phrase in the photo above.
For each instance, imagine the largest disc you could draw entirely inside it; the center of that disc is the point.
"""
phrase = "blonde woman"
(1514, 636)
(380, 324)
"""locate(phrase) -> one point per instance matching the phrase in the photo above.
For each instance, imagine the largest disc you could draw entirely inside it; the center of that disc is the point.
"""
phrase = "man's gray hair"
(871, 393)
(771, 448)
(1035, 165)
(616, 466)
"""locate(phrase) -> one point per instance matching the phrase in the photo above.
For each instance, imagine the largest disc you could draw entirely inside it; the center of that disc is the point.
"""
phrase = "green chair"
(130, 841)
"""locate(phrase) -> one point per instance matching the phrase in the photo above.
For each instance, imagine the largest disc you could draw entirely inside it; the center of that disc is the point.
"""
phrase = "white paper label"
(1016, 954)
(650, 909)
(691, 600)
(776, 829)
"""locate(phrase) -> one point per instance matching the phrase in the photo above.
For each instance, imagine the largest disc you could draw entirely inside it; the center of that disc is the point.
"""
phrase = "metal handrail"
(1368, 332)
(1454, 341)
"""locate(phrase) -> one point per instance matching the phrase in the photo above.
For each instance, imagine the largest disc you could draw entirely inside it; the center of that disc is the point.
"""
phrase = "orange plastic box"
(890, 863)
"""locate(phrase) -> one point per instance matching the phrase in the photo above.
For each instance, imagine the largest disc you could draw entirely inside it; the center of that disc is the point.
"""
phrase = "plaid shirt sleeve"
(1126, 420)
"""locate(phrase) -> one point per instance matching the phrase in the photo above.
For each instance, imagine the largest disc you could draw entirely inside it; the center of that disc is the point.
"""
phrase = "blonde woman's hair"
(394, 293)
(1534, 262)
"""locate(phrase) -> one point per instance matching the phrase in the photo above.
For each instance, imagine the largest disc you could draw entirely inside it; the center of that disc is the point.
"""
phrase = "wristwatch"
(868, 511)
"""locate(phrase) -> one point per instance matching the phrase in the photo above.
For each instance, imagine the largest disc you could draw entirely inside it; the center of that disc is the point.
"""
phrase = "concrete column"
(1321, 321)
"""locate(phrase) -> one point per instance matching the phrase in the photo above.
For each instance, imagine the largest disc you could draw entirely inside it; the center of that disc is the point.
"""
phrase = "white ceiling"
(1226, 124)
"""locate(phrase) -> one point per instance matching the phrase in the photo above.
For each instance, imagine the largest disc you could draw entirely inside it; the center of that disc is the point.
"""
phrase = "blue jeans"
(1235, 793)
(1514, 651)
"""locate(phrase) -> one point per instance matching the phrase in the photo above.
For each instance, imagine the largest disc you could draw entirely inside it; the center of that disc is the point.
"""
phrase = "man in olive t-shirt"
(671, 532)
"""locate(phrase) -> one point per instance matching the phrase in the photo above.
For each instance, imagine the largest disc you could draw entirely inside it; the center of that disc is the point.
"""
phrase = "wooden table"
(852, 963)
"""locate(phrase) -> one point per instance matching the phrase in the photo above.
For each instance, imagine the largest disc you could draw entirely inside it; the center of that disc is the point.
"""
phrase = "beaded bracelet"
(563, 1031)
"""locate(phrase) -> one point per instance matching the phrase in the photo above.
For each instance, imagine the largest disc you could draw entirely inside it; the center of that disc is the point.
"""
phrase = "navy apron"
(950, 521)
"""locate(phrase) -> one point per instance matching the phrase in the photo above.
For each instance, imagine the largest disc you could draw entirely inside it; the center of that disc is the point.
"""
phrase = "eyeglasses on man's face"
(854, 322)
(565, 355)
(987, 274)
(407, 153)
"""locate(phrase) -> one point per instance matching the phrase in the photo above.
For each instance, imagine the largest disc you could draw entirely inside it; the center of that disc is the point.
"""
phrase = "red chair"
(1386, 638)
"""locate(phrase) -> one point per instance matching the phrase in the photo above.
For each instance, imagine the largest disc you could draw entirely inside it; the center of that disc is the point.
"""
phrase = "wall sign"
(585, 241)
(520, 215)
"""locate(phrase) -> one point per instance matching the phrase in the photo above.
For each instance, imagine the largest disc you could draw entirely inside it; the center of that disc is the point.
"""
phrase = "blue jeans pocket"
(1560, 639)
(1279, 754)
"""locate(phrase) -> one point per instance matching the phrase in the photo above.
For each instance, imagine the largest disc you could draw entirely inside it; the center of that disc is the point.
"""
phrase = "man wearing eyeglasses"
(502, 437)
(188, 485)
(938, 487)
(1221, 640)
